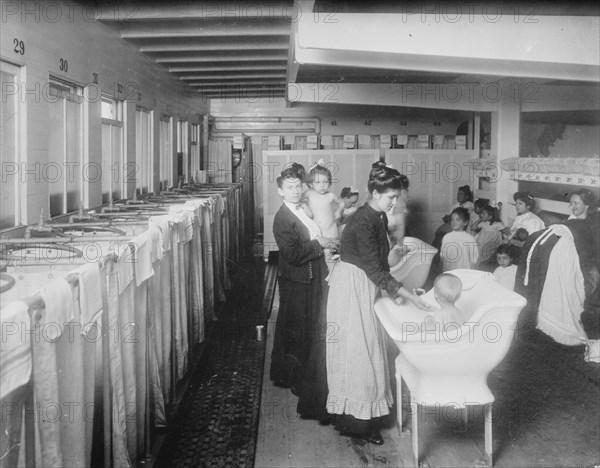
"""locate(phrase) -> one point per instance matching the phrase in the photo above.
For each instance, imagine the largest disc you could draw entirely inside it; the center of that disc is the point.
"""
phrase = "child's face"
(503, 260)
(521, 207)
(461, 197)
(384, 201)
(485, 216)
(457, 223)
(351, 201)
(320, 184)
(291, 190)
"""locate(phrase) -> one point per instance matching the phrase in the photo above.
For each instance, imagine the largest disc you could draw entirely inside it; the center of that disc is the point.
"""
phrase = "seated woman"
(464, 198)
(526, 219)
(584, 223)
(582, 203)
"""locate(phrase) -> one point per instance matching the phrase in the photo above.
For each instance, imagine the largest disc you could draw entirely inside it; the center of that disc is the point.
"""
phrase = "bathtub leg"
(415, 431)
(399, 398)
(488, 435)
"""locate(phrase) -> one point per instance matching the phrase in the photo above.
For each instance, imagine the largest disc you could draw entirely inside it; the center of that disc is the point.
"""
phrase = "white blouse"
(313, 229)
(528, 221)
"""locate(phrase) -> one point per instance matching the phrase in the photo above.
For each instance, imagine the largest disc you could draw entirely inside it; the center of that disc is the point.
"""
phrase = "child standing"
(489, 233)
(505, 274)
(349, 196)
(459, 248)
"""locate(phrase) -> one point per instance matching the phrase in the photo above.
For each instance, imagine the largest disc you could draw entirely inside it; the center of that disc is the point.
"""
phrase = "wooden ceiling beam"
(218, 67)
(221, 58)
(240, 30)
(254, 11)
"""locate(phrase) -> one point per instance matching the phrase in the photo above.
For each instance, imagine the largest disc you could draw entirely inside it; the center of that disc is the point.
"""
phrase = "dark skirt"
(298, 358)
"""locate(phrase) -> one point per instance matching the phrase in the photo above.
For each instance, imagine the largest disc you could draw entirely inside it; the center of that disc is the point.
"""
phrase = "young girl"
(357, 370)
(475, 215)
(489, 235)
(464, 199)
(526, 219)
(490, 220)
(459, 248)
(320, 200)
(506, 273)
(349, 196)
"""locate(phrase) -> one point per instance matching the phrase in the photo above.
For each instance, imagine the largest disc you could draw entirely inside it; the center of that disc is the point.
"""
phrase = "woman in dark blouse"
(357, 370)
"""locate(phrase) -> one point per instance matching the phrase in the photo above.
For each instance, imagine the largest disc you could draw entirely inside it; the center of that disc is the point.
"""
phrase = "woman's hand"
(404, 294)
(328, 242)
(420, 303)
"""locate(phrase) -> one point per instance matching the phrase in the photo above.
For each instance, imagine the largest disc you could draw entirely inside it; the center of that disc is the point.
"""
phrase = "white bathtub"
(413, 268)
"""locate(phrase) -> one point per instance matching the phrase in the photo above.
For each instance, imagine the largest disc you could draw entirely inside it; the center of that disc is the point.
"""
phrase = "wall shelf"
(557, 178)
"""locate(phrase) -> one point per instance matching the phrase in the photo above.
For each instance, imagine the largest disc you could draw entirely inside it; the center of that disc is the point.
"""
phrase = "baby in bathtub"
(447, 289)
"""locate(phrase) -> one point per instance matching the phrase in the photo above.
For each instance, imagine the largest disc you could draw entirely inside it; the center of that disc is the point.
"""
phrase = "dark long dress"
(298, 358)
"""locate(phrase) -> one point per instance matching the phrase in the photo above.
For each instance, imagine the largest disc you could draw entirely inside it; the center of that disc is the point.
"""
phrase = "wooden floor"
(547, 418)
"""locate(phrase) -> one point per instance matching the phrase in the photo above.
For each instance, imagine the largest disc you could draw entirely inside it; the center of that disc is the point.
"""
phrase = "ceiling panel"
(218, 49)
(322, 74)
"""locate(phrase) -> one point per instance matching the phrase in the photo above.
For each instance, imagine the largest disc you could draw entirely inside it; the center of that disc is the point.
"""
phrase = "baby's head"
(521, 234)
(459, 219)
(350, 196)
(319, 178)
(490, 213)
(447, 289)
(479, 205)
(505, 255)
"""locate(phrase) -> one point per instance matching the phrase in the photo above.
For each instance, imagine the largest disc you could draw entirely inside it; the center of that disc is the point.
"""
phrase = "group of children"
(476, 232)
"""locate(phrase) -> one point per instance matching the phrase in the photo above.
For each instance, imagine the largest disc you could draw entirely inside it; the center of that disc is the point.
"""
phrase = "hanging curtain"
(259, 144)
(219, 160)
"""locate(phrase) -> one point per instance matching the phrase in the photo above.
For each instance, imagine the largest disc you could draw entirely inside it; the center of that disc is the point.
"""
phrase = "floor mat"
(218, 418)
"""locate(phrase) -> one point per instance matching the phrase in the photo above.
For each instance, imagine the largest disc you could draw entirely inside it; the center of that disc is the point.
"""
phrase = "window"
(143, 151)
(10, 146)
(195, 163)
(113, 163)
(166, 153)
(183, 162)
(64, 171)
